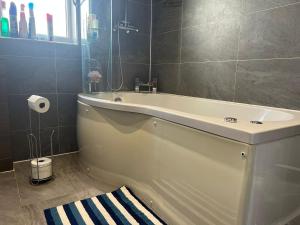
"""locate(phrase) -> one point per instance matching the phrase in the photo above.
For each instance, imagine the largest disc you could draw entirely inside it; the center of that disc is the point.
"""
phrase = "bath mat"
(118, 207)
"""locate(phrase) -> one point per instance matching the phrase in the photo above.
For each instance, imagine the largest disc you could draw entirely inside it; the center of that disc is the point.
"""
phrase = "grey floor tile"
(24, 204)
(9, 203)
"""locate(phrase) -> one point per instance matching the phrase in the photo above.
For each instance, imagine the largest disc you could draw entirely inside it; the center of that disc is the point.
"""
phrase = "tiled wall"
(135, 47)
(234, 50)
(48, 69)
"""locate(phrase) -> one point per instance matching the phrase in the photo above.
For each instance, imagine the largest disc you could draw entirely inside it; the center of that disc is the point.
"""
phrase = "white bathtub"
(188, 163)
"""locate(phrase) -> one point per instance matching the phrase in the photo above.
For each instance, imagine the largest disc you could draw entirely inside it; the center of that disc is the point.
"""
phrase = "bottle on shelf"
(4, 21)
(32, 29)
(23, 29)
(13, 20)
(92, 27)
(0, 15)
(50, 26)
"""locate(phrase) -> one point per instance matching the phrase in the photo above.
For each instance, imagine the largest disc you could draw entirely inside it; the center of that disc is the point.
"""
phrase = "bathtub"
(193, 160)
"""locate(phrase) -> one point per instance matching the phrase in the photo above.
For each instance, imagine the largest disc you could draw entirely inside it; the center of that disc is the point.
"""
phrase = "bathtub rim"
(214, 126)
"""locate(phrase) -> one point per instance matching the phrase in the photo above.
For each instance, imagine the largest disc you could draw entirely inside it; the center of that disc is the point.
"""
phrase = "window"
(85, 10)
(64, 17)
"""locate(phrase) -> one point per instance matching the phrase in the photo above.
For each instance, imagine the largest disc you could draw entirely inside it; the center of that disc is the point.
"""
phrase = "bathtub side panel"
(275, 194)
(176, 170)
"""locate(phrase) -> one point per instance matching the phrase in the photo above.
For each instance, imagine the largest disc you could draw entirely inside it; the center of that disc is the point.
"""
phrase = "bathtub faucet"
(149, 87)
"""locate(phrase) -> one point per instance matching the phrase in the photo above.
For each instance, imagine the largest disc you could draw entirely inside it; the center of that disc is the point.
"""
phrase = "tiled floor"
(23, 204)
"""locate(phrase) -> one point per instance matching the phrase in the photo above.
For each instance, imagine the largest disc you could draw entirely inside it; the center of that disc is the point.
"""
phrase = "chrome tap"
(149, 87)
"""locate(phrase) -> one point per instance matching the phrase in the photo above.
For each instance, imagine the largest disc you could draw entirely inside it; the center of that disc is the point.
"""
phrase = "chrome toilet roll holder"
(35, 152)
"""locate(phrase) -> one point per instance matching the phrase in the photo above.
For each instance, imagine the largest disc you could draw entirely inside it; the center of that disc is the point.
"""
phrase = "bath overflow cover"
(256, 122)
(118, 99)
(230, 119)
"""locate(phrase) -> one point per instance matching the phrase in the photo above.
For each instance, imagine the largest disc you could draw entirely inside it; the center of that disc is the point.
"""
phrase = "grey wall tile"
(4, 119)
(168, 77)
(69, 76)
(28, 67)
(23, 47)
(67, 139)
(19, 113)
(269, 82)
(20, 145)
(6, 164)
(20, 150)
(166, 47)
(211, 41)
(130, 72)
(211, 31)
(145, 2)
(5, 151)
(271, 34)
(167, 16)
(134, 47)
(67, 109)
(3, 90)
(46, 141)
(26, 75)
(139, 15)
(67, 51)
(50, 118)
(256, 5)
(196, 12)
(208, 80)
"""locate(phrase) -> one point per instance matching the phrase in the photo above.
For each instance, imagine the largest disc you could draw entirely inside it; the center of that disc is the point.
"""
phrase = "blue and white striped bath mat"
(118, 207)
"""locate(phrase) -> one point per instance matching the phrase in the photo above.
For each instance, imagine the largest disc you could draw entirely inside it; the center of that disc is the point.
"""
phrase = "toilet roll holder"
(35, 153)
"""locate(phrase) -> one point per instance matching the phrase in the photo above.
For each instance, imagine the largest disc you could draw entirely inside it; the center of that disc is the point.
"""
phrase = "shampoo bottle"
(4, 21)
(13, 20)
(23, 33)
(32, 31)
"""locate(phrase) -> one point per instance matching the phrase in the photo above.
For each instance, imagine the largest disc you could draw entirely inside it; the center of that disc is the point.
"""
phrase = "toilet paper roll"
(38, 103)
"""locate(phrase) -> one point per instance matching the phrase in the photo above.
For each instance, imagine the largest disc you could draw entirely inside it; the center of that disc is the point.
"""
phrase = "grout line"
(180, 49)
(8, 171)
(43, 128)
(237, 56)
(166, 32)
(158, 64)
(268, 59)
(18, 188)
(229, 60)
(135, 63)
(210, 61)
(273, 8)
(67, 59)
(27, 56)
(56, 155)
(40, 93)
(138, 2)
(180, 41)
(56, 75)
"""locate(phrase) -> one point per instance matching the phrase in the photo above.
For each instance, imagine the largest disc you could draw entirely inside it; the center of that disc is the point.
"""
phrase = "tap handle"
(154, 82)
